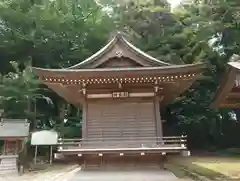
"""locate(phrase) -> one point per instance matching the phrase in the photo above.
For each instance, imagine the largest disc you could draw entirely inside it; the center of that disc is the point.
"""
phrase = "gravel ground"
(160, 175)
(74, 173)
(61, 174)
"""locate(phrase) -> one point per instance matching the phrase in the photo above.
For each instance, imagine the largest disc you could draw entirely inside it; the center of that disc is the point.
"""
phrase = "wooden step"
(8, 165)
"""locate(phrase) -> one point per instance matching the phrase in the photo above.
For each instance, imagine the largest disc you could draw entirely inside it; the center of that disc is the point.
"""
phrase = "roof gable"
(119, 49)
(119, 63)
(230, 80)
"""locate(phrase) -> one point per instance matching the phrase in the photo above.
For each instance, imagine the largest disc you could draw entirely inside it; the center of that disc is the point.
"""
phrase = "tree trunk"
(34, 112)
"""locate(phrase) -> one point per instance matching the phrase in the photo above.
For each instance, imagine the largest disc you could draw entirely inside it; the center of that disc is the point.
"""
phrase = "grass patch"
(214, 168)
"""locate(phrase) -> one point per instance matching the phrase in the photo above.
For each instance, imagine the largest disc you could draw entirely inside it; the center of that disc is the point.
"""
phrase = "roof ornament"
(115, 34)
(156, 88)
(84, 90)
(119, 53)
(118, 33)
(120, 85)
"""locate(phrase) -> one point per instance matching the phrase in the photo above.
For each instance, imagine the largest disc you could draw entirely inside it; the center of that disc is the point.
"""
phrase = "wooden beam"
(75, 93)
(226, 85)
(142, 94)
(67, 92)
(233, 94)
(229, 105)
(176, 90)
(60, 91)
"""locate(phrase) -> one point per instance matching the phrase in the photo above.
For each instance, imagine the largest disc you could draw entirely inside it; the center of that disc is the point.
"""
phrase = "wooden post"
(101, 164)
(84, 120)
(16, 147)
(4, 147)
(62, 110)
(50, 159)
(158, 119)
(35, 155)
(7, 147)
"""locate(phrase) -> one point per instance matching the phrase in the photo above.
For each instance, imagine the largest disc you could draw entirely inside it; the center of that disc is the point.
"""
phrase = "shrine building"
(228, 92)
(120, 90)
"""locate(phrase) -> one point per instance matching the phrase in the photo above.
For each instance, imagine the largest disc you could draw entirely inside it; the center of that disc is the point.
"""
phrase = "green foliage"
(52, 33)
(172, 37)
(19, 90)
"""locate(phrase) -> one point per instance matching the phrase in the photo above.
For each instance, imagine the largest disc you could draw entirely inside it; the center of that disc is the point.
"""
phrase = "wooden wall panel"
(119, 119)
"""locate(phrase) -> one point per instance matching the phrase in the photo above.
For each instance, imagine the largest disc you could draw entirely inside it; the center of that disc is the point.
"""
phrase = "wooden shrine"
(12, 133)
(120, 90)
(228, 93)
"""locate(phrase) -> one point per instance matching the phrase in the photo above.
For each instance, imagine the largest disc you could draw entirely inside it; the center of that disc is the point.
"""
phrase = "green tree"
(52, 33)
(19, 92)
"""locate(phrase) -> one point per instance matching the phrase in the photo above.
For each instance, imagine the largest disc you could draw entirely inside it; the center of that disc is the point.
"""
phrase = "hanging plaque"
(120, 94)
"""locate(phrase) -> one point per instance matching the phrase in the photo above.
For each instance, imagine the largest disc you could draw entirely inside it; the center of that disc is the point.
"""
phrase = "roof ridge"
(118, 36)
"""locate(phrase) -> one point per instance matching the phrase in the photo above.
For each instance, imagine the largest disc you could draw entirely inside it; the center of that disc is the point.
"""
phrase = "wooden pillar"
(16, 147)
(51, 153)
(84, 120)
(35, 154)
(158, 120)
(62, 108)
(5, 147)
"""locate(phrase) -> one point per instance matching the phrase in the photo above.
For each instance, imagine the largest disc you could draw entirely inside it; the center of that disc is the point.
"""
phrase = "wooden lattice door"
(115, 119)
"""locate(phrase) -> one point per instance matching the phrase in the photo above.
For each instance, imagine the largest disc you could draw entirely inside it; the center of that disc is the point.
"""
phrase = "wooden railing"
(123, 143)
